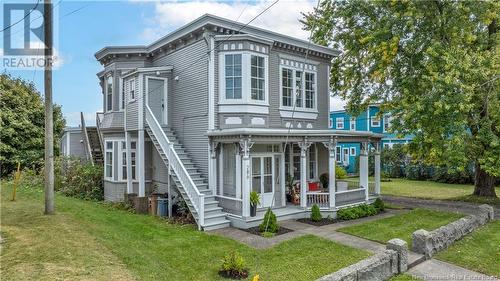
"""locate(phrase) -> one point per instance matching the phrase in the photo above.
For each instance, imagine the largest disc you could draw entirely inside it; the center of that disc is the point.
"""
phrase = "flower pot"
(253, 210)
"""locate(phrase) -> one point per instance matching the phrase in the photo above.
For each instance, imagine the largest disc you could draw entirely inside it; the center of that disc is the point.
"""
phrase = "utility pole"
(49, 111)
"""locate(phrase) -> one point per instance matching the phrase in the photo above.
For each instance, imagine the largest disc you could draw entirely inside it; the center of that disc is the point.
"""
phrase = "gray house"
(215, 110)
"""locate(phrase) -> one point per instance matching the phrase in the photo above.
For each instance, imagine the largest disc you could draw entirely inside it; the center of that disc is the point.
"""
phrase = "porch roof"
(295, 134)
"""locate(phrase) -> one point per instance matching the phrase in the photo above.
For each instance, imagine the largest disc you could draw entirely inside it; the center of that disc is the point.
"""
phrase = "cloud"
(336, 103)
(283, 17)
(73, 118)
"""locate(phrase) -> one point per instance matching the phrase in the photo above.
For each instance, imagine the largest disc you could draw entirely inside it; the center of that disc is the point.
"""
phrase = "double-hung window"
(257, 78)
(339, 122)
(312, 162)
(122, 94)
(298, 88)
(108, 160)
(375, 121)
(131, 89)
(387, 123)
(287, 84)
(109, 93)
(233, 76)
(352, 124)
(133, 148)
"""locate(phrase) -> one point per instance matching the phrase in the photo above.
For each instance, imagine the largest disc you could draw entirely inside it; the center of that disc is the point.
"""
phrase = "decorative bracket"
(213, 149)
(304, 146)
(245, 145)
(331, 145)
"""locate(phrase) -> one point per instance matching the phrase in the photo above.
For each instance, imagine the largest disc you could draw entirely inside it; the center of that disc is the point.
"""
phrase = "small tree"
(270, 223)
(315, 213)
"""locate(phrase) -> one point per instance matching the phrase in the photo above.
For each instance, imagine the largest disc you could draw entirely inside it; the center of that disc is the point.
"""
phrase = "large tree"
(22, 125)
(433, 64)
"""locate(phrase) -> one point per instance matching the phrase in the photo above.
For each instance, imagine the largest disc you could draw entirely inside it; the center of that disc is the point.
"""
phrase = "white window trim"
(297, 108)
(246, 79)
(352, 124)
(330, 122)
(112, 89)
(338, 149)
(122, 95)
(387, 122)
(337, 121)
(345, 161)
(106, 150)
(375, 119)
(120, 160)
(129, 93)
(353, 151)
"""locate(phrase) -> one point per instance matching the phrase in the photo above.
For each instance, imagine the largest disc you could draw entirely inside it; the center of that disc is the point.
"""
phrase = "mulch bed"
(255, 230)
(233, 274)
(324, 221)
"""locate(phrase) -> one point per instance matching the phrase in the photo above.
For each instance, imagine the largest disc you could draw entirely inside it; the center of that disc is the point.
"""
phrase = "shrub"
(233, 265)
(340, 173)
(30, 178)
(270, 223)
(379, 205)
(453, 175)
(315, 213)
(83, 180)
(357, 212)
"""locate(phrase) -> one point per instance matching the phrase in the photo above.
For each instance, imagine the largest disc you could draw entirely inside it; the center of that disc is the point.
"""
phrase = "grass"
(400, 226)
(92, 241)
(435, 190)
(479, 251)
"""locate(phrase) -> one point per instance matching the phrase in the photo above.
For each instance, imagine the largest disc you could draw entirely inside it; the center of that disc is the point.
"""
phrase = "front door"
(263, 175)
(157, 98)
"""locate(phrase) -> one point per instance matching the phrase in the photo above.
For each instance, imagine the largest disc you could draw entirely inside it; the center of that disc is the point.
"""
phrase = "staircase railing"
(86, 142)
(98, 121)
(195, 196)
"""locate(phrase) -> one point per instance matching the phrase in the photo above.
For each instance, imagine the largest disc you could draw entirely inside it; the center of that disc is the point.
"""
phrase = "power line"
(25, 16)
(217, 46)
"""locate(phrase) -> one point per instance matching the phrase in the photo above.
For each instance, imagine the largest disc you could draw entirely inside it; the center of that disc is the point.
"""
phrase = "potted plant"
(289, 185)
(254, 201)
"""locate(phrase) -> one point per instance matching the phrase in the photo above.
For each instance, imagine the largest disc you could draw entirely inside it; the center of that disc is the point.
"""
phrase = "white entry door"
(263, 175)
(157, 98)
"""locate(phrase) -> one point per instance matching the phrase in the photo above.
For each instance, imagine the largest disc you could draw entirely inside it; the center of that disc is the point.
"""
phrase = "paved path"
(439, 270)
(442, 205)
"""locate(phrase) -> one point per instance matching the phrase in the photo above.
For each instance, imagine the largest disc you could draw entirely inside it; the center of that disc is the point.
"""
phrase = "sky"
(84, 27)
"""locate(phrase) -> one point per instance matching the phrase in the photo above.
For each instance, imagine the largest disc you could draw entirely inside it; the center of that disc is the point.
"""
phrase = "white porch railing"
(318, 198)
(350, 196)
(195, 196)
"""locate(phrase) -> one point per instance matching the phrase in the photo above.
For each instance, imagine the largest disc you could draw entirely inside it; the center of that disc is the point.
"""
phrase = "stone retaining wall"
(382, 266)
(429, 243)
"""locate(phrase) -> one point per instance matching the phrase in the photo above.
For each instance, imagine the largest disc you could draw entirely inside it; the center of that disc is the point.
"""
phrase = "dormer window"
(109, 93)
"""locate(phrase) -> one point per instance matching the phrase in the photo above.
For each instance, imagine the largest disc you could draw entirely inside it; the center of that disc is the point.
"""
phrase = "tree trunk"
(484, 184)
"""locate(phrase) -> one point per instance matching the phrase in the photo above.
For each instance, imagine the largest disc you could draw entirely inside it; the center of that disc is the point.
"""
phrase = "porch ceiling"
(266, 135)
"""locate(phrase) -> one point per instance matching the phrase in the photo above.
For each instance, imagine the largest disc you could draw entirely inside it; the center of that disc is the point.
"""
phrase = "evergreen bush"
(315, 213)
(270, 223)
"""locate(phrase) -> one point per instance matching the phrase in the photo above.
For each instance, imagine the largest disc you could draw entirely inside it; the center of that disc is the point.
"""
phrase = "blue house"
(366, 121)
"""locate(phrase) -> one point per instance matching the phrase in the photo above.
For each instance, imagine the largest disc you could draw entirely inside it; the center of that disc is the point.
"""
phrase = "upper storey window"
(109, 93)
(298, 86)
(243, 78)
(233, 76)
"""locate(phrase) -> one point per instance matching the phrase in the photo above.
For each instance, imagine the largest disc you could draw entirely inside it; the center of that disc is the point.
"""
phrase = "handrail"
(86, 142)
(98, 128)
(196, 197)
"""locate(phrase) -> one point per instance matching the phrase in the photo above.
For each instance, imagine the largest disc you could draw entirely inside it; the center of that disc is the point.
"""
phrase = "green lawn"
(479, 251)
(400, 226)
(92, 241)
(435, 190)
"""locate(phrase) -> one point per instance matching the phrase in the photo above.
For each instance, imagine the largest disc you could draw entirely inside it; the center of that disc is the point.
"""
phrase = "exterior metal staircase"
(190, 183)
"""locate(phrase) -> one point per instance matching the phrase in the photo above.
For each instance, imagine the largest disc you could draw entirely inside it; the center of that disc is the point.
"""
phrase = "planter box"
(341, 186)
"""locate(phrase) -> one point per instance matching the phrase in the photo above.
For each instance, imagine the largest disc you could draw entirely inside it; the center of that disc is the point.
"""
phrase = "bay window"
(109, 93)
(287, 80)
(133, 148)
(243, 78)
(108, 160)
(233, 76)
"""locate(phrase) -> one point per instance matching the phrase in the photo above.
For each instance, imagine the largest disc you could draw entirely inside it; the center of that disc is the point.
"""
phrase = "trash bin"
(162, 207)
(153, 198)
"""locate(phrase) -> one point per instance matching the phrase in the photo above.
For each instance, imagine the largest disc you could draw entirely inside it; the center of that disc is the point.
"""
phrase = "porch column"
(141, 164)
(212, 167)
(245, 145)
(330, 145)
(128, 160)
(238, 172)
(377, 168)
(363, 168)
(304, 147)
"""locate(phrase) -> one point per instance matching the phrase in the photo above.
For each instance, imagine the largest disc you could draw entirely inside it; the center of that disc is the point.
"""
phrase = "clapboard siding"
(132, 107)
(188, 99)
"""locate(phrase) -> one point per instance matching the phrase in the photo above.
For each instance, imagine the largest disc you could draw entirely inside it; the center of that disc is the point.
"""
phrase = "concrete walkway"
(440, 205)
(439, 270)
